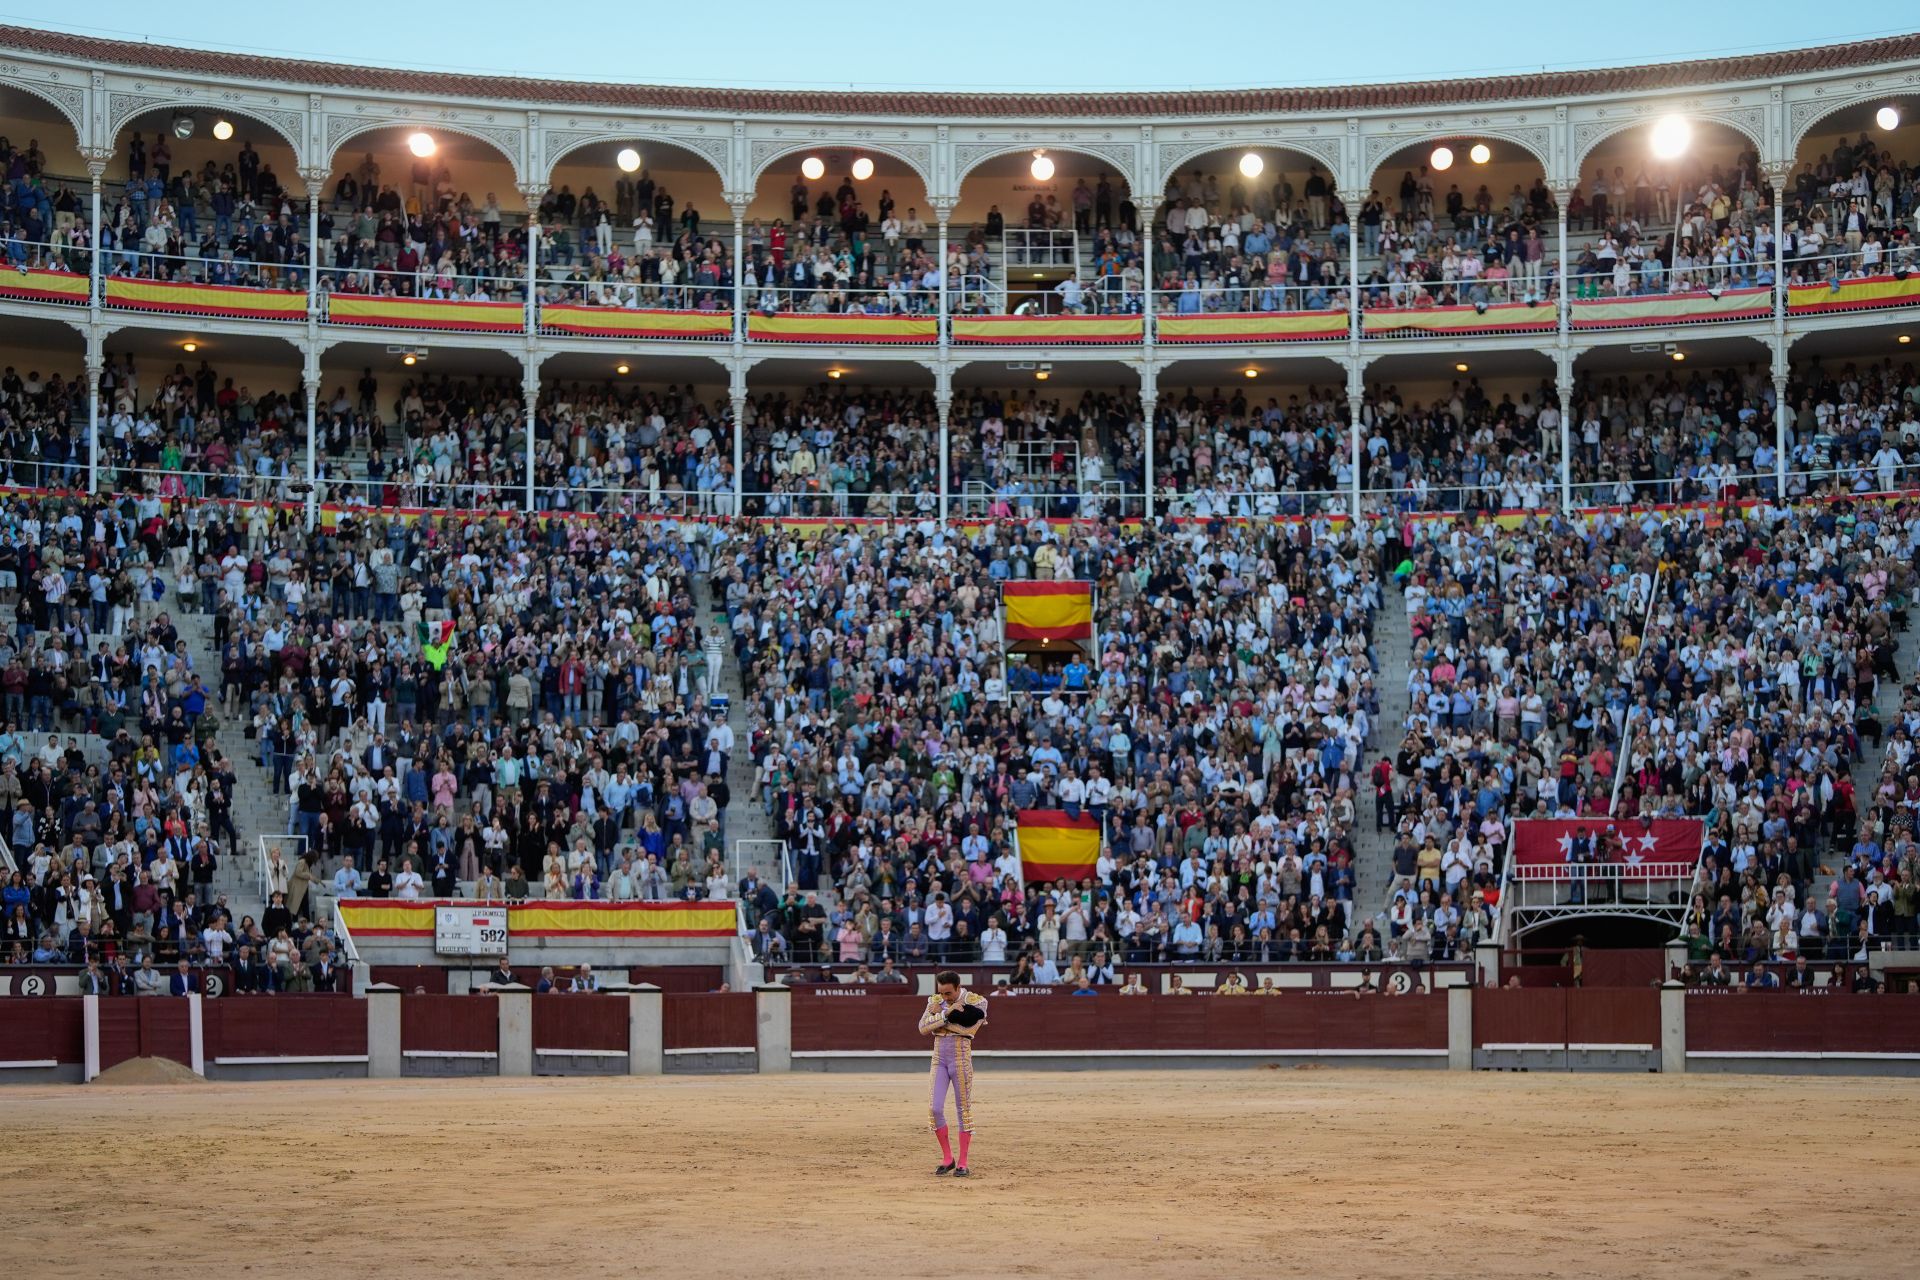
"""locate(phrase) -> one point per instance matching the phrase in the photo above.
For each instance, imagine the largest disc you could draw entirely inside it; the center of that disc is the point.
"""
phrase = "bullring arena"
(1124, 1174)
(615, 678)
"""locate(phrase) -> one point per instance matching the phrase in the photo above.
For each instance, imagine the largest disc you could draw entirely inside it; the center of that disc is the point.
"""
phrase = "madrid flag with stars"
(1628, 841)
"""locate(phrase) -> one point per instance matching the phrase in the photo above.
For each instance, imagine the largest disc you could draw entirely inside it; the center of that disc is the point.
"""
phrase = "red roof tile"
(1557, 84)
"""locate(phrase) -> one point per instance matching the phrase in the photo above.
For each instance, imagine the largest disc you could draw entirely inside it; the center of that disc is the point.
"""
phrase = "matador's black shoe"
(963, 1172)
(941, 1171)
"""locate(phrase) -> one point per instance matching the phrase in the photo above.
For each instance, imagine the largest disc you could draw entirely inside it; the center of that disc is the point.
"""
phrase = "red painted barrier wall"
(723, 1020)
(1613, 1015)
(580, 1022)
(1523, 1015)
(1557, 1016)
(1109, 1023)
(35, 1030)
(285, 1026)
(153, 1027)
(1788, 1022)
(679, 979)
(459, 1024)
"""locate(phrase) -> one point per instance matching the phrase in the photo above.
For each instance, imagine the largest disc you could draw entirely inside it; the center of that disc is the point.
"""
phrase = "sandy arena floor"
(1305, 1173)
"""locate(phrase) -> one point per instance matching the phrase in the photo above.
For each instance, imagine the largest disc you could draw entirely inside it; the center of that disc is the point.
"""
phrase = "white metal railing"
(779, 857)
(896, 296)
(60, 256)
(1626, 728)
(1503, 927)
(1205, 293)
(188, 267)
(1040, 247)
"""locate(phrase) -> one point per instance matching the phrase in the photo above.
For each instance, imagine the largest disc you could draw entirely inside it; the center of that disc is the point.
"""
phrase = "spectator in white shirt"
(408, 884)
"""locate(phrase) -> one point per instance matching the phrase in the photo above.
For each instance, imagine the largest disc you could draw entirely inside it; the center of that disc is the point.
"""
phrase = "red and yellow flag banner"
(1505, 317)
(849, 327)
(206, 299)
(1678, 308)
(1048, 610)
(1854, 295)
(395, 918)
(617, 322)
(1054, 846)
(1252, 326)
(426, 313)
(1047, 331)
(44, 286)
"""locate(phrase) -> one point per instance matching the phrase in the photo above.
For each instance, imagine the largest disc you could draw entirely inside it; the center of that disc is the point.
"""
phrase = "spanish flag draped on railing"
(617, 322)
(1054, 846)
(1501, 317)
(806, 326)
(1675, 308)
(1255, 326)
(186, 298)
(1048, 610)
(1047, 331)
(1867, 294)
(402, 918)
(45, 286)
(426, 313)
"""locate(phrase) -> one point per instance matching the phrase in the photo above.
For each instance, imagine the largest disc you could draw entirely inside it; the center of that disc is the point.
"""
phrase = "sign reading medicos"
(470, 931)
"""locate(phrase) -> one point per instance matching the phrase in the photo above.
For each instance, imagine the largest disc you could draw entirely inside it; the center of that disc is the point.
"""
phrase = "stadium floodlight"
(1251, 165)
(183, 126)
(813, 168)
(422, 144)
(1671, 137)
(862, 169)
(1481, 153)
(628, 160)
(1042, 166)
(223, 129)
(1441, 159)
(1887, 118)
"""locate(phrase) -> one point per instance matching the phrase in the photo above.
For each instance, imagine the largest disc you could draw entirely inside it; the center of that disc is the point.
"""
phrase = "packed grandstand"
(610, 533)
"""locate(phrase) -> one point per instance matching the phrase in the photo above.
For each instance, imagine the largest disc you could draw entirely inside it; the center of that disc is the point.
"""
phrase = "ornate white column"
(1563, 388)
(96, 365)
(316, 180)
(1782, 418)
(1777, 175)
(943, 404)
(1562, 192)
(1146, 206)
(530, 394)
(1354, 199)
(738, 201)
(737, 393)
(310, 382)
(532, 192)
(1149, 401)
(943, 213)
(1356, 392)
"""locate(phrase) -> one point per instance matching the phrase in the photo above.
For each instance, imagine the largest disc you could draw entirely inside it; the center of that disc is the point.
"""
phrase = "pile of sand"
(149, 1071)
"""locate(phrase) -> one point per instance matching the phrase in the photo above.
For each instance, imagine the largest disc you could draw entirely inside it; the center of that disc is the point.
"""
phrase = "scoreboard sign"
(470, 931)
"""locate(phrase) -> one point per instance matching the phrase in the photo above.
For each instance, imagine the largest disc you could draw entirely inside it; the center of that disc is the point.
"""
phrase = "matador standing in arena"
(954, 1016)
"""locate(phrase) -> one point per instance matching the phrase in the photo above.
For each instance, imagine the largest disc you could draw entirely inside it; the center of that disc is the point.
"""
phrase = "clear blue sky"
(1119, 44)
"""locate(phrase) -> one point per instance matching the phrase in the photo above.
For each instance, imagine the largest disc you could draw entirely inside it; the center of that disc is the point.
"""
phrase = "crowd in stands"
(118, 799)
(524, 705)
(1215, 732)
